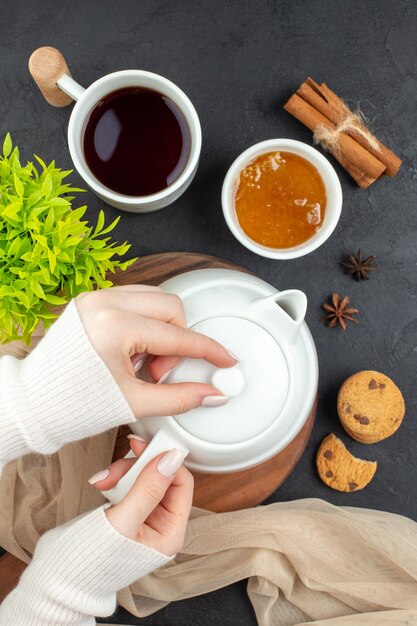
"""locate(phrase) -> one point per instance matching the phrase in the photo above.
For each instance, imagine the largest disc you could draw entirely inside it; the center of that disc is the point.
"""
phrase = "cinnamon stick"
(331, 106)
(363, 166)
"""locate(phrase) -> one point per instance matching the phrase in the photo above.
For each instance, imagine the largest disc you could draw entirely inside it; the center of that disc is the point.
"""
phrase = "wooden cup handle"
(46, 66)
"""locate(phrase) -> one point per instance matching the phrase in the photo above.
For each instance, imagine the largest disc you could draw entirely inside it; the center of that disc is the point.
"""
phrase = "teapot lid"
(257, 386)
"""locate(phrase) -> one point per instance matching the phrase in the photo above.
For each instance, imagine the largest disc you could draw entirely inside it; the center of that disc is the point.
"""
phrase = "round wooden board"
(217, 492)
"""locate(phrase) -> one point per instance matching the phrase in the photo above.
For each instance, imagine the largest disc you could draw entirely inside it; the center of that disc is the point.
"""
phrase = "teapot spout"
(286, 308)
(294, 303)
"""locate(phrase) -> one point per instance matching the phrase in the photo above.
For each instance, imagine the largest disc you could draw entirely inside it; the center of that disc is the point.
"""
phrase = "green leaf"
(52, 260)
(47, 186)
(49, 222)
(34, 197)
(7, 145)
(65, 173)
(123, 266)
(110, 227)
(8, 325)
(48, 315)
(100, 222)
(14, 247)
(72, 241)
(56, 300)
(41, 163)
(97, 244)
(106, 284)
(23, 298)
(59, 202)
(4, 169)
(18, 185)
(14, 160)
(41, 239)
(33, 222)
(102, 254)
(12, 210)
(77, 214)
(37, 289)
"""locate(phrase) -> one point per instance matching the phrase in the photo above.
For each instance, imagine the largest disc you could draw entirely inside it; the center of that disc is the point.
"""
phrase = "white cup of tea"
(51, 73)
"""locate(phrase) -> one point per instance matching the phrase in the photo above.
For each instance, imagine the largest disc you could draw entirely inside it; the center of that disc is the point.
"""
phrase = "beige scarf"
(307, 561)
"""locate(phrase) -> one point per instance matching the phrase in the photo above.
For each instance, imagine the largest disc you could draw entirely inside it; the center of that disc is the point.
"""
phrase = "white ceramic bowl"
(331, 183)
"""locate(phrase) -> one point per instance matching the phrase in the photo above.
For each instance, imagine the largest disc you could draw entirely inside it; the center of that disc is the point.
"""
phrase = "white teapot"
(272, 387)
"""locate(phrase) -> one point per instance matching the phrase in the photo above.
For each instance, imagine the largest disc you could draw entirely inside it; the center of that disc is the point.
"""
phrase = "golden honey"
(280, 200)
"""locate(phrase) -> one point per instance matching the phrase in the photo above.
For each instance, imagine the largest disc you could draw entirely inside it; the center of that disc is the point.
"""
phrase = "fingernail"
(170, 462)
(233, 356)
(99, 476)
(215, 401)
(136, 437)
(138, 360)
(164, 377)
(139, 364)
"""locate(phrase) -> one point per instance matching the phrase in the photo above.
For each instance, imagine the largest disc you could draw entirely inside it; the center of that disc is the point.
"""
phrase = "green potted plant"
(48, 252)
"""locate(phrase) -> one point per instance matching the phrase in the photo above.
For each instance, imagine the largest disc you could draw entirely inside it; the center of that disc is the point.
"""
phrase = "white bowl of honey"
(281, 198)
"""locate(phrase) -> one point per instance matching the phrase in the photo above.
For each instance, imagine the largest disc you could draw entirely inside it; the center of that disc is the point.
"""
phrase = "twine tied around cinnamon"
(353, 123)
(342, 133)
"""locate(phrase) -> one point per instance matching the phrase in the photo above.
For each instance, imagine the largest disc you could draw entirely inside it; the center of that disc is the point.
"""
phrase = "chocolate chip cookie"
(339, 469)
(370, 406)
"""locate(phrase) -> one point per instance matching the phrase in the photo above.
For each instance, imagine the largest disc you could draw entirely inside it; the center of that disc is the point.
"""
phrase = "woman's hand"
(156, 509)
(78, 568)
(127, 324)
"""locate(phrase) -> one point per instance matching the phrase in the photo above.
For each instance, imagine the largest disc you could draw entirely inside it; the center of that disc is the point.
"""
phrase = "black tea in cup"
(136, 141)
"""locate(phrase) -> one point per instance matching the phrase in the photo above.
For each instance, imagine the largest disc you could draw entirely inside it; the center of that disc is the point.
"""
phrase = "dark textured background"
(239, 61)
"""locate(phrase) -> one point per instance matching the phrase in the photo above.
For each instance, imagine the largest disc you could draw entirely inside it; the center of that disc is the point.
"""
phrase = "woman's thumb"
(147, 492)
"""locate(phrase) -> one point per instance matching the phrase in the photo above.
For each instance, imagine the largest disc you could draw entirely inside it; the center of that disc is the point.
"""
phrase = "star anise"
(359, 267)
(339, 311)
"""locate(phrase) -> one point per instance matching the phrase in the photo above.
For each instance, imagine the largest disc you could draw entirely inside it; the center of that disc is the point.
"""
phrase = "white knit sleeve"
(75, 574)
(61, 392)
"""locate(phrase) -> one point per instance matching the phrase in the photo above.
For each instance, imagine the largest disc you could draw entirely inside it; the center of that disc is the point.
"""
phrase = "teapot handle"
(50, 72)
(161, 442)
(290, 312)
